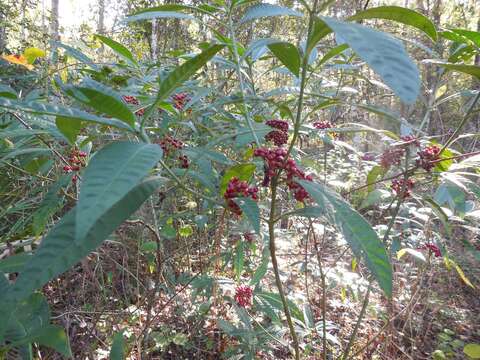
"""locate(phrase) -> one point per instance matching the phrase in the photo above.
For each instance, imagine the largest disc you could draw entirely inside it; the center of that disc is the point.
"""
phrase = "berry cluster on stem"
(399, 184)
(180, 99)
(243, 295)
(279, 136)
(276, 160)
(129, 99)
(76, 160)
(427, 157)
(238, 188)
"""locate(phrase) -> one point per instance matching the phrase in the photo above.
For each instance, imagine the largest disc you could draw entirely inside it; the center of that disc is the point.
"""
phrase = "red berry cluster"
(249, 237)
(244, 295)
(397, 186)
(184, 162)
(237, 188)
(427, 156)
(323, 125)
(433, 248)
(179, 100)
(410, 139)
(276, 159)
(134, 101)
(278, 124)
(169, 144)
(280, 136)
(392, 156)
(76, 161)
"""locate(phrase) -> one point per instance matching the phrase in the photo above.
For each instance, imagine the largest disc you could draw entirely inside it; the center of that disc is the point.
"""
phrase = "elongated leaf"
(288, 55)
(70, 128)
(157, 14)
(58, 251)
(118, 48)
(473, 70)
(185, 71)
(239, 259)
(14, 263)
(252, 212)
(357, 231)
(473, 36)
(77, 54)
(401, 15)
(319, 31)
(262, 268)
(7, 92)
(52, 336)
(110, 175)
(57, 110)
(267, 10)
(203, 9)
(385, 55)
(102, 99)
(332, 53)
(275, 301)
(117, 352)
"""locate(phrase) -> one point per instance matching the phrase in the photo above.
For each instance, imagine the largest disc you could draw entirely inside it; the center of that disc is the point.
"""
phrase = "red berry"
(397, 186)
(428, 156)
(392, 156)
(278, 137)
(244, 295)
(278, 124)
(237, 188)
(323, 125)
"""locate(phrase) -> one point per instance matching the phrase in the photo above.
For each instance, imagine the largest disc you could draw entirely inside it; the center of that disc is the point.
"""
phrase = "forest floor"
(113, 289)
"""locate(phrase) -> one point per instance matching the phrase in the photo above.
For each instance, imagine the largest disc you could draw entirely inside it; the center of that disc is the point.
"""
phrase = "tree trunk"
(3, 32)
(54, 27)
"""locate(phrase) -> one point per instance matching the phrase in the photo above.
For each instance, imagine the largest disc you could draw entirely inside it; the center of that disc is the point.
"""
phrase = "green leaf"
(243, 172)
(385, 55)
(70, 128)
(52, 336)
(453, 195)
(356, 230)
(118, 350)
(111, 174)
(262, 268)
(203, 9)
(7, 92)
(376, 172)
(332, 53)
(401, 15)
(473, 70)
(288, 55)
(118, 48)
(472, 350)
(14, 263)
(239, 258)
(80, 56)
(56, 110)
(276, 302)
(251, 210)
(102, 99)
(267, 10)
(58, 251)
(473, 36)
(184, 72)
(319, 31)
(152, 14)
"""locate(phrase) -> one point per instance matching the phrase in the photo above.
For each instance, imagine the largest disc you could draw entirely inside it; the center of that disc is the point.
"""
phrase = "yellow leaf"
(18, 60)
(462, 275)
(343, 295)
(32, 54)
(354, 264)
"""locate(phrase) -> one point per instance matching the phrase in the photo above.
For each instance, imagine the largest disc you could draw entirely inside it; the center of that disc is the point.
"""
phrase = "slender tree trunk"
(3, 32)
(54, 30)
(101, 23)
(154, 45)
